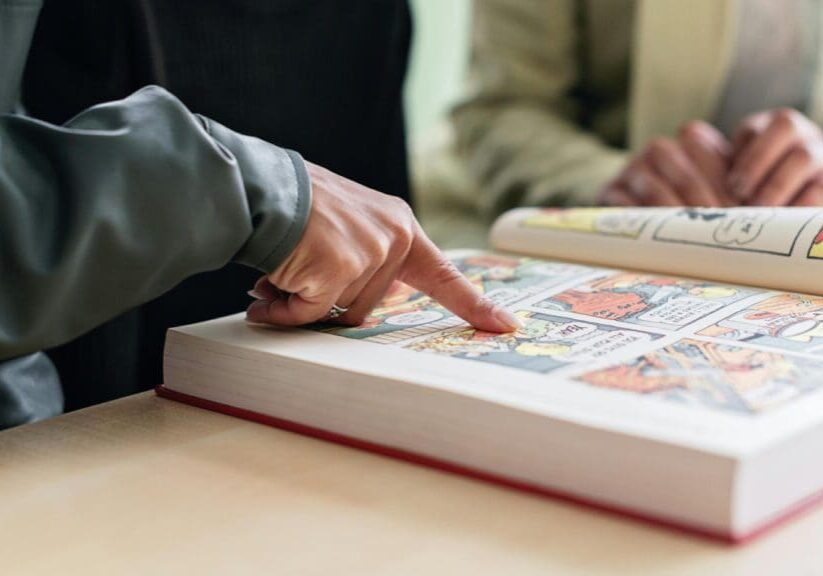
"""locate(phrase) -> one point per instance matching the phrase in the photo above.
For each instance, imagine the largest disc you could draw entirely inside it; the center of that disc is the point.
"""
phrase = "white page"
(721, 432)
(780, 248)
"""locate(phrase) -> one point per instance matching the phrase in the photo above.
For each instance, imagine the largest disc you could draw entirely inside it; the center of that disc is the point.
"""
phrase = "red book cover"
(501, 480)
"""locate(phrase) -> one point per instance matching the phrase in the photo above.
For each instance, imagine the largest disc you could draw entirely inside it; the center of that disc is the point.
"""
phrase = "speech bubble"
(680, 311)
(572, 330)
(740, 229)
(604, 344)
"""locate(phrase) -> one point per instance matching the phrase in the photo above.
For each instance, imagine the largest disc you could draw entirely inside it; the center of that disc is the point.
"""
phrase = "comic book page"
(671, 341)
(779, 248)
(697, 326)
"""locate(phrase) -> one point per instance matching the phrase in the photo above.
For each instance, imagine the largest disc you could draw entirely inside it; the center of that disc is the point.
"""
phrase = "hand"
(356, 243)
(777, 160)
(687, 171)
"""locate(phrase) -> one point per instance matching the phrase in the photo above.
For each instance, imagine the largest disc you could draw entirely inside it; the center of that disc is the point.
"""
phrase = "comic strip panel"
(786, 321)
(816, 249)
(405, 313)
(718, 376)
(752, 230)
(604, 221)
(544, 343)
(647, 300)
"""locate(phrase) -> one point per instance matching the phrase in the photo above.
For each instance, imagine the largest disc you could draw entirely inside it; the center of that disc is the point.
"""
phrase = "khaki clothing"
(561, 91)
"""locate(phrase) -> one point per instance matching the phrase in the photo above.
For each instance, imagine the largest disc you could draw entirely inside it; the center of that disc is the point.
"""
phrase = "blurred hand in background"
(542, 124)
(690, 170)
(777, 160)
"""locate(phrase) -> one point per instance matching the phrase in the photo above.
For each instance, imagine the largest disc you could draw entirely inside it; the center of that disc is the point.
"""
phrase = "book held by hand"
(670, 366)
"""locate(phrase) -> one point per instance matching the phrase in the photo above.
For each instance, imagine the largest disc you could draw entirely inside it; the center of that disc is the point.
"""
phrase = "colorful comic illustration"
(647, 300)
(748, 229)
(543, 344)
(787, 321)
(718, 376)
(816, 249)
(406, 313)
(607, 221)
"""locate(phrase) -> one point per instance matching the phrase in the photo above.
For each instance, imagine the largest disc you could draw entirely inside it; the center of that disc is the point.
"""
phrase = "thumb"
(291, 311)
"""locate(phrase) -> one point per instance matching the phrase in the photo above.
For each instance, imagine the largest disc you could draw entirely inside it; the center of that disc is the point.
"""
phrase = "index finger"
(430, 272)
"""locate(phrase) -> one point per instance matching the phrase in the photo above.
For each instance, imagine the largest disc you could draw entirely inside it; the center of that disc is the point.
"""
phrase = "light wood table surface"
(148, 486)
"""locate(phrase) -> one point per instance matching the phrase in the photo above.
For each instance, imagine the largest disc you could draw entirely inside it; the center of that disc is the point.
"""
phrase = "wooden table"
(147, 486)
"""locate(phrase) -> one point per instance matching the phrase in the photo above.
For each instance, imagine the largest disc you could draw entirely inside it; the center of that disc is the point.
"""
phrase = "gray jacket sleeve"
(123, 202)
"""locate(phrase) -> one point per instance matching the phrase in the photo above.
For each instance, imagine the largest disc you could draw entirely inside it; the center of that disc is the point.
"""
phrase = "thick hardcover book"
(670, 366)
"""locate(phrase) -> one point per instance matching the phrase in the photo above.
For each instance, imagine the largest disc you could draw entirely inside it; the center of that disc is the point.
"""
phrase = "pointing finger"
(430, 272)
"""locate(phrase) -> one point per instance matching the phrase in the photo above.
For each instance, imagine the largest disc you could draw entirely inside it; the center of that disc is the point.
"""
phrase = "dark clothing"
(320, 76)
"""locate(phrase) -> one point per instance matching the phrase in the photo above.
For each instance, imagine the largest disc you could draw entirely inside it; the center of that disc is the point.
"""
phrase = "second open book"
(666, 367)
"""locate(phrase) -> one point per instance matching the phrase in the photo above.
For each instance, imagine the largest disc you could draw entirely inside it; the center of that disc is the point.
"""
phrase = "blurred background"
(438, 67)
(439, 56)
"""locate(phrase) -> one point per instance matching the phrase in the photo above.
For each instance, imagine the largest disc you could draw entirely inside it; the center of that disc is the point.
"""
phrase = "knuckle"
(402, 231)
(315, 287)
(404, 206)
(380, 251)
(785, 113)
(292, 283)
(692, 130)
(346, 260)
(405, 232)
(349, 266)
(785, 118)
(399, 206)
(445, 272)
(756, 122)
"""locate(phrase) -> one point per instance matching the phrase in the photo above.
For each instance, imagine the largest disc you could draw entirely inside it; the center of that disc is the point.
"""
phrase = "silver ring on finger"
(336, 312)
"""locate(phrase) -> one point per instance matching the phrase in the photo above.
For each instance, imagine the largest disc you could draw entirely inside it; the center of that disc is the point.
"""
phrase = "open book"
(685, 386)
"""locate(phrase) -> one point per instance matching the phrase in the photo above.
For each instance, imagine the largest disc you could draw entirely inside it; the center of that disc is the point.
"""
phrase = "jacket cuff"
(278, 191)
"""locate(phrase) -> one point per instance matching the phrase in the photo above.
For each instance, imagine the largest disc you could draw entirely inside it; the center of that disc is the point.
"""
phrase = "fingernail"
(507, 319)
(258, 311)
(256, 294)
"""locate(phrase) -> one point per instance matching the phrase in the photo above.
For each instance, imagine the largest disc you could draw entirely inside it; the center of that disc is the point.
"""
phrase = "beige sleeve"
(516, 129)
